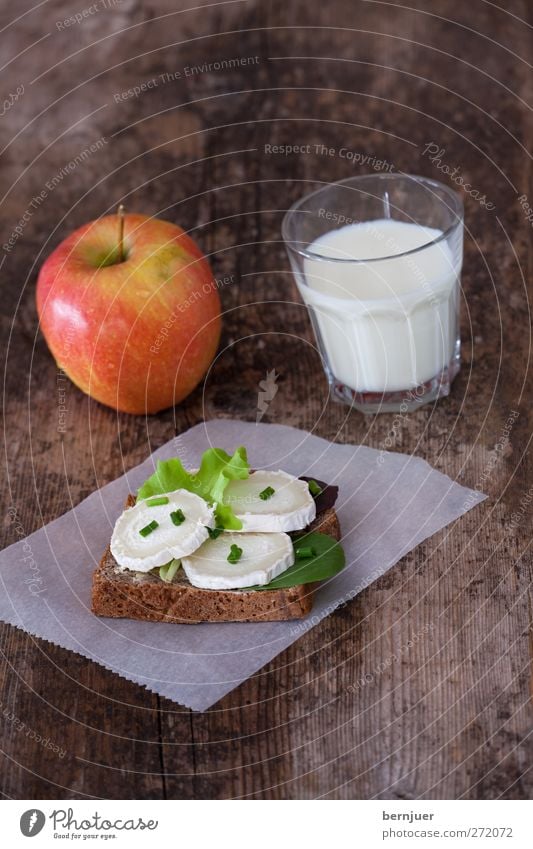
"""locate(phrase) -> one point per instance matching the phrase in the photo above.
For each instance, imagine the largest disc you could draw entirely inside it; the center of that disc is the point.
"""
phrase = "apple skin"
(136, 335)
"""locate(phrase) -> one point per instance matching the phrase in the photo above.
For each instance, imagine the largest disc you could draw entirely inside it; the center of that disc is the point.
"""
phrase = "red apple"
(138, 334)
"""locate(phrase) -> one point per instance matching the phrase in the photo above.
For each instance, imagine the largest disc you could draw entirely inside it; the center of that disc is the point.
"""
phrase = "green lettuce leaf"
(216, 470)
(328, 561)
(226, 518)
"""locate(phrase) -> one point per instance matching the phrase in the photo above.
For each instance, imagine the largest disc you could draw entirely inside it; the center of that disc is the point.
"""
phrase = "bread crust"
(124, 595)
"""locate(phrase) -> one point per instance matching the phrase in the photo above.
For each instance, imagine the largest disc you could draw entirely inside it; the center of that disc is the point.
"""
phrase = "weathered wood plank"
(419, 687)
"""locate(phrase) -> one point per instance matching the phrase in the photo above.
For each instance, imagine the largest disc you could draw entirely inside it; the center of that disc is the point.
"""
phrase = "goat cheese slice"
(290, 508)
(167, 541)
(264, 557)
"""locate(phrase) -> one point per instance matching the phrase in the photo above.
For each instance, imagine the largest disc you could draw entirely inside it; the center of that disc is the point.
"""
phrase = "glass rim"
(455, 198)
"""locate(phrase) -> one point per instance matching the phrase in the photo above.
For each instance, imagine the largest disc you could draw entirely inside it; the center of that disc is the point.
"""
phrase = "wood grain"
(419, 688)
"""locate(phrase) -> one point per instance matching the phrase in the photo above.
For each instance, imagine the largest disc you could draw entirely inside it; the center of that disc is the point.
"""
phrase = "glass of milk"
(377, 260)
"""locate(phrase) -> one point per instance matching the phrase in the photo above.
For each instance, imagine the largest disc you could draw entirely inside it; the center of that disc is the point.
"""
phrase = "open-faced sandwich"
(219, 544)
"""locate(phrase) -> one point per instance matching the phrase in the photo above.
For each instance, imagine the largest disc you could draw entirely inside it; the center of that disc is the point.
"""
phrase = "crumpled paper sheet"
(388, 503)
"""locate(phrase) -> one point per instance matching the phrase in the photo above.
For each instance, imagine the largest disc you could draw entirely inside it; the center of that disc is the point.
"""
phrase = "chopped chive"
(235, 554)
(155, 502)
(267, 493)
(144, 532)
(177, 517)
(214, 533)
(314, 488)
(305, 551)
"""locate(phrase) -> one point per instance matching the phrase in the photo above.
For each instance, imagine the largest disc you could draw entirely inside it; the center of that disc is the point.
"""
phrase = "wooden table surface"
(381, 82)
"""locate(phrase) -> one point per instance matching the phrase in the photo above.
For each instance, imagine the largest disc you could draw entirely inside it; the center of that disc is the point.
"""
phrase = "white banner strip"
(256, 824)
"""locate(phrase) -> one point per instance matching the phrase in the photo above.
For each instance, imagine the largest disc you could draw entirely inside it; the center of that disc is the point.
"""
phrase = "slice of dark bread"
(133, 595)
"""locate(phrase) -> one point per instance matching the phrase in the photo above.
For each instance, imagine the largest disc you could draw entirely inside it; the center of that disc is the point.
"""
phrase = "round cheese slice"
(290, 508)
(264, 557)
(132, 550)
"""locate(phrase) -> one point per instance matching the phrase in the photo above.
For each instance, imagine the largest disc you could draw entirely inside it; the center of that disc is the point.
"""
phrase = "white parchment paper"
(388, 503)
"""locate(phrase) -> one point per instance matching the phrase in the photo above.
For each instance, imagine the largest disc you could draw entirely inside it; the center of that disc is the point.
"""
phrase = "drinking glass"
(377, 260)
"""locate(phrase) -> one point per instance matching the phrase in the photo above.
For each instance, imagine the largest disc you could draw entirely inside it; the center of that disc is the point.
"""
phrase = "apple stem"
(120, 213)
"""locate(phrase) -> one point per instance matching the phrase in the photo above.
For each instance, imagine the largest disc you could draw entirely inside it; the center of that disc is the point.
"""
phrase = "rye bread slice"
(126, 595)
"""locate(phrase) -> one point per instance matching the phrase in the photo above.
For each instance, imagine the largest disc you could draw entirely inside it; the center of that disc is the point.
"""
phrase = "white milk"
(389, 324)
